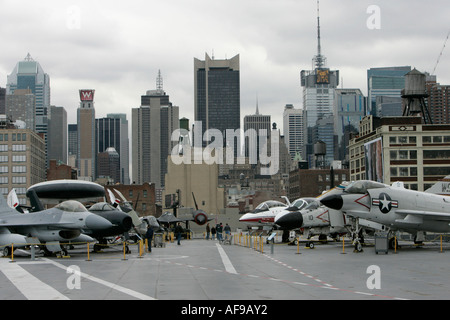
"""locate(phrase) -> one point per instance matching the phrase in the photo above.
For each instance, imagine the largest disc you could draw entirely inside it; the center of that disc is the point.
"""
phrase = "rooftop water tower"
(414, 96)
(320, 150)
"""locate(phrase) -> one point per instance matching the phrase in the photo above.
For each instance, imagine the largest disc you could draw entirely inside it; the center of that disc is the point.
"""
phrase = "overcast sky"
(117, 47)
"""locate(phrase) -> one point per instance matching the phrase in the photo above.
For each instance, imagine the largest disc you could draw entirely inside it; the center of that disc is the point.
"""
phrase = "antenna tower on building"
(159, 82)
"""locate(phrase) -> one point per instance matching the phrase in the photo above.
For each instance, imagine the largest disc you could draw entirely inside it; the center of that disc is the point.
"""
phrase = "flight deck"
(209, 270)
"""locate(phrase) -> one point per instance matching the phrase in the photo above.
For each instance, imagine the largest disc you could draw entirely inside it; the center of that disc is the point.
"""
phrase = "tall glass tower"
(385, 82)
(28, 74)
(318, 97)
(217, 94)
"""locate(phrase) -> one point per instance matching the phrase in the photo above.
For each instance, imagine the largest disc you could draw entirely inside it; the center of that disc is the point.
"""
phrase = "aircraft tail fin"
(35, 202)
(4, 207)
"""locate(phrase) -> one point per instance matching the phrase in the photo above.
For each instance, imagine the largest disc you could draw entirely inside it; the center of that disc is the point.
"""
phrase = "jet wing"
(10, 223)
(425, 214)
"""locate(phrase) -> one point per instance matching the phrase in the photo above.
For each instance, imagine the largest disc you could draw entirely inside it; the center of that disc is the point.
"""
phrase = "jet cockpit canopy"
(361, 186)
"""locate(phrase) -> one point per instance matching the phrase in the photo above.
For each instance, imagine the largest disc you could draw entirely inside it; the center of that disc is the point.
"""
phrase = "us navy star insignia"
(384, 202)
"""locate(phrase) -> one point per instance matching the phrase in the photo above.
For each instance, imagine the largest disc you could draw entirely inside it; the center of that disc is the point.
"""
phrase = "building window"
(394, 172)
(19, 180)
(19, 158)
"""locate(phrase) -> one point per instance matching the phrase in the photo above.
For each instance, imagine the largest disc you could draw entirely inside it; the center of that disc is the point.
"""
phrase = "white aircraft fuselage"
(395, 207)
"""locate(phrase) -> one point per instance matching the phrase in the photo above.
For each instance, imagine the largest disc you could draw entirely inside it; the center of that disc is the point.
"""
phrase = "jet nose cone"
(95, 222)
(290, 221)
(334, 202)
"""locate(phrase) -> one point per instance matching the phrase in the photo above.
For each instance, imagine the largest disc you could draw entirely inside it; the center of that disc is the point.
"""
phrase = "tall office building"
(2, 100)
(57, 135)
(152, 126)
(386, 81)
(72, 145)
(28, 74)
(318, 94)
(217, 95)
(22, 159)
(108, 164)
(350, 107)
(293, 129)
(438, 100)
(258, 136)
(124, 151)
(21, 105)
(86, 155)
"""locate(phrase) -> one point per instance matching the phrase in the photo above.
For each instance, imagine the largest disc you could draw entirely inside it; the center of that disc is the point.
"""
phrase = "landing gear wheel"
(358, 247)
(7, 251)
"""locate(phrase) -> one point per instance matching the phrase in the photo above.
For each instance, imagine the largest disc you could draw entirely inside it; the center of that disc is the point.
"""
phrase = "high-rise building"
(57, 137)
(152, 126)
(108, 164)
(438, 101)
(72, 145)
(86, 136)
(318, 94)
(385, 81)
(22, 157)
(217, 95)
(257, 130)
(2, 100)
(28, 74)
(124, 150)
(21, 105)
(350, 107)
(293, 129)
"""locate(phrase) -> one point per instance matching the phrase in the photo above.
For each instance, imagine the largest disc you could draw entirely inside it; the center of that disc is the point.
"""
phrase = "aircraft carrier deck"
(207, 270)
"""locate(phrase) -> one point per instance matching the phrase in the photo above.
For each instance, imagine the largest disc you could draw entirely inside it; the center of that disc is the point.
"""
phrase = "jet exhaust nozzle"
(334, 201)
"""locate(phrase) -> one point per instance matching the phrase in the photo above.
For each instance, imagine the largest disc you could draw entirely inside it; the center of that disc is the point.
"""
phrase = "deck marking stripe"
(226, 261)
(30, 286)
(107, 284)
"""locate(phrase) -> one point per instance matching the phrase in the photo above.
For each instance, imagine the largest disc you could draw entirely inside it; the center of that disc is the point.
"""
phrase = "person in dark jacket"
(178, 232)
(149, 237)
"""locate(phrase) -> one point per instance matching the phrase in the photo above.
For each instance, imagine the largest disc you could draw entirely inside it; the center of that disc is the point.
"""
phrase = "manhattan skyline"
(118, 49)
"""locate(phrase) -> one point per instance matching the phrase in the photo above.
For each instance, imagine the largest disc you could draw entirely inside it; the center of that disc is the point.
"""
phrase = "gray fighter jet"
(64, 222)
(393, 208)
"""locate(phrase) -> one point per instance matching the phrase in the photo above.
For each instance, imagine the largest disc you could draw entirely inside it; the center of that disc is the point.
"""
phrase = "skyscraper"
(152, 126)
(86, 136)
(22, 106)
(260, 123)
(385, 81)
(350, 106)
(57, 134)
(28, 74)
(124, 150)
(293, 129)
(318, 93)
(438, 101)
(217, 95)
